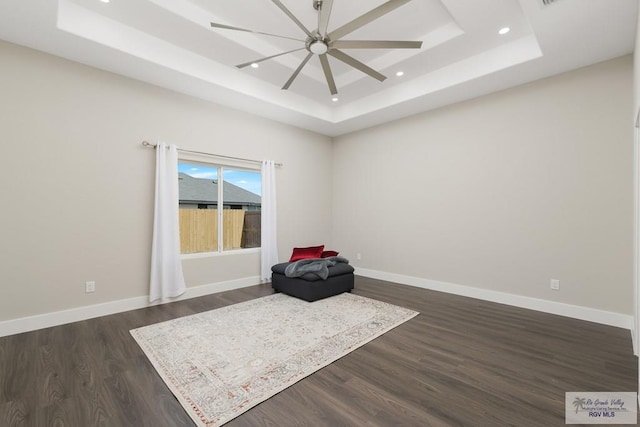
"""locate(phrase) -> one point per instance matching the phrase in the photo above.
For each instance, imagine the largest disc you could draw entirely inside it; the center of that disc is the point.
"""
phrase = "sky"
(249, 180)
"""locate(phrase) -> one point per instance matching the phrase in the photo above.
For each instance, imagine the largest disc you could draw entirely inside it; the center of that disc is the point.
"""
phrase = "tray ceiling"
(170, 43)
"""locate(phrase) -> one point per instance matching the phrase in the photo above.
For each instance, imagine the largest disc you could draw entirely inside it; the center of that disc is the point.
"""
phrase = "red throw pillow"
(304, 253)
(327, 254)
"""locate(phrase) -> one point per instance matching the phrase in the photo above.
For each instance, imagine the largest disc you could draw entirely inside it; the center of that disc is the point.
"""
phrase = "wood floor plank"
(461, 362)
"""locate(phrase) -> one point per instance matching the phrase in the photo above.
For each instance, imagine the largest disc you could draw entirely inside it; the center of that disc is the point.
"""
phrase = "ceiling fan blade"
(246, 64)
(372, 15)
(292, 16)
(297, 71)
(229, 27)
(324, 61)
(323, 16)
(356, 64)
(375, 44)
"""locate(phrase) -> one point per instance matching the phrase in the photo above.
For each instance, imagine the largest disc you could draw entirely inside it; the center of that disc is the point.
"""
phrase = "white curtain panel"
(167, 279)
(269, 245)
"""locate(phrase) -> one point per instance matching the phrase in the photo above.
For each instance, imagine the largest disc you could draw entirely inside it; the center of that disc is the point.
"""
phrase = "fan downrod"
(316, 44)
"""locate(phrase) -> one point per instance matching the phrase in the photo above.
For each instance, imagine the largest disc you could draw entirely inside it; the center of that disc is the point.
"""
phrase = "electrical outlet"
(90, 287)
(358, 256)
(555, 284)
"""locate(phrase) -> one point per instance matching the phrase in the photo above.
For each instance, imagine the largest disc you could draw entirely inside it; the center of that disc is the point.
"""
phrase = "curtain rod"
(150, 145)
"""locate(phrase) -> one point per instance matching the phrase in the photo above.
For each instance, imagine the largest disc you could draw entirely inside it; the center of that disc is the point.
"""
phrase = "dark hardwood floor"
(461, 362)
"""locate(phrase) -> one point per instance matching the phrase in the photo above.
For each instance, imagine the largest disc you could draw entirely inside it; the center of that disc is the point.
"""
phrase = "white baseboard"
(25, 324)
(574, 311)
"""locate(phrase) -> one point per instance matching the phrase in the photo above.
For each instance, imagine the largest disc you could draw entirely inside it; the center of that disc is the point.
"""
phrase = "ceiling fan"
(320, 42)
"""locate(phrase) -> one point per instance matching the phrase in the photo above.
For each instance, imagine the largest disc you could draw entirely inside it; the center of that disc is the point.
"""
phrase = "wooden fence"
(199, 230)
(251, 229)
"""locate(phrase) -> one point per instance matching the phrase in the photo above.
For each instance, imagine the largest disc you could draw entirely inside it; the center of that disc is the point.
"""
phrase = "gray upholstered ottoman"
(310, 287)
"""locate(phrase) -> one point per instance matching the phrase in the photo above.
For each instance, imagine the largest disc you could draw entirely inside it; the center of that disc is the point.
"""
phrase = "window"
(218, 201)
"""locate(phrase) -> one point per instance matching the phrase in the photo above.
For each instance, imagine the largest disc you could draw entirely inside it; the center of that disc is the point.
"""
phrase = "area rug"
(222, 362)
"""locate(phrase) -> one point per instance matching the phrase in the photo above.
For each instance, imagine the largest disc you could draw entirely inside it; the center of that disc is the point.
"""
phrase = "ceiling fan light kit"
(322, 43)
(317, 47)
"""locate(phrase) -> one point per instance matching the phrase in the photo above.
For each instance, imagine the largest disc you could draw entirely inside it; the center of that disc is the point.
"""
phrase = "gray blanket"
(317, 266)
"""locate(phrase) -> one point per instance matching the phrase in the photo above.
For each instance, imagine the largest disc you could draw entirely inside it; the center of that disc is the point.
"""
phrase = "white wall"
(501, 193)
(77, 186)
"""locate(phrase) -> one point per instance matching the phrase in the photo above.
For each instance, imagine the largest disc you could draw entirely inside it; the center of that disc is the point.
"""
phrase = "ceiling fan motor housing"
(317, 45)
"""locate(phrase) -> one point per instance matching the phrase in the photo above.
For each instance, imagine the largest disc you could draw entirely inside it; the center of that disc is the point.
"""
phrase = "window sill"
(217, 254)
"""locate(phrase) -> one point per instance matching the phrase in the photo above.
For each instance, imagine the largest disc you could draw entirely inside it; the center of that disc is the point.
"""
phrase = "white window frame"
(235, 165)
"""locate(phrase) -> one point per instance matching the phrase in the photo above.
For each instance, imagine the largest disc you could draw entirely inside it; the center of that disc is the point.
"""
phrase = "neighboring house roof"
(203, 190)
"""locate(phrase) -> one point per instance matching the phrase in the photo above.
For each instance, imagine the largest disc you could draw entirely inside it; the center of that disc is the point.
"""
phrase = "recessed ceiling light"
(400, 73)
(504, 31)
(335, 99)
(254, 65)
(105, 1)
